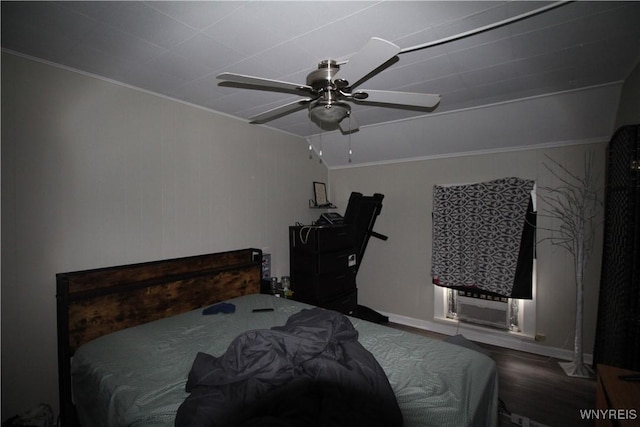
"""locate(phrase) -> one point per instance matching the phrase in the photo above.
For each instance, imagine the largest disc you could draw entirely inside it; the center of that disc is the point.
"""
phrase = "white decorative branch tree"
(575, 206)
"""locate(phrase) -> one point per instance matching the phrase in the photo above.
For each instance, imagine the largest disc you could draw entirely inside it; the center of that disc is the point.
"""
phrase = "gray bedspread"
(136, 377)
(310, 372)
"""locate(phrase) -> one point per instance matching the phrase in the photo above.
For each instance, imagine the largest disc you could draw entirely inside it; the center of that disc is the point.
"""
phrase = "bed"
(128, 337)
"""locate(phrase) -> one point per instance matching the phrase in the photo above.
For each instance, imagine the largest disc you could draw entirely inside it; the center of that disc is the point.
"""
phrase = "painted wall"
(395, 275)
(96, 174)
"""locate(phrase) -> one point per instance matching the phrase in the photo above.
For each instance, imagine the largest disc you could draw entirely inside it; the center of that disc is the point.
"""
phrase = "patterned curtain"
(478, 231)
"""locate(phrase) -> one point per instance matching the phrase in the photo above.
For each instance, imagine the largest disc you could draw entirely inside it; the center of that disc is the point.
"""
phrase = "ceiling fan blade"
(280, 111)
(400, 99)
(349, 124)
(259, 81)
(374, 54)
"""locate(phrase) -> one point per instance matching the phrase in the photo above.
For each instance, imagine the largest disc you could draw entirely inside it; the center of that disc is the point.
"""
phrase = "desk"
(614, 393)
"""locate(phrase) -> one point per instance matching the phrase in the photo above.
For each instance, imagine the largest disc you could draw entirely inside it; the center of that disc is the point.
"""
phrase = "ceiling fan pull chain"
(350, 151)
(309, 140)
(320, 151)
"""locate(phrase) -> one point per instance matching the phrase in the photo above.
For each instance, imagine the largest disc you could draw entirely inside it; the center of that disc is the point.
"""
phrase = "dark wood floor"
(535, 386)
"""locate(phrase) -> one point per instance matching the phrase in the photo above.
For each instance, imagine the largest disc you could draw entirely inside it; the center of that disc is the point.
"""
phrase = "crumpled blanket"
(310, 372)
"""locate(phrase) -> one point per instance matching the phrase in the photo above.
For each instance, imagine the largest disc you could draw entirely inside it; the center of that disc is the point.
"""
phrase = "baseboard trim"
(488, 336)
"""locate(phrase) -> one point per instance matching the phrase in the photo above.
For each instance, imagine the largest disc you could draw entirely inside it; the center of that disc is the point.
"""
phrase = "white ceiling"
(176, 48)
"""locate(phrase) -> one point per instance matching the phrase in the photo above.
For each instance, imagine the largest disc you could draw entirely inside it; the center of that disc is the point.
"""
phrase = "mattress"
(137, 376)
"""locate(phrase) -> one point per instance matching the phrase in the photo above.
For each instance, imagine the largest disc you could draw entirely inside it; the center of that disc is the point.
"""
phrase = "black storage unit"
(324, 260)
(618, 327)
(323, 266)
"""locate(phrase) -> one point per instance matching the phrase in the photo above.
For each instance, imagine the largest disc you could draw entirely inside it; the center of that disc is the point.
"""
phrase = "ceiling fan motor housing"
(322, 78)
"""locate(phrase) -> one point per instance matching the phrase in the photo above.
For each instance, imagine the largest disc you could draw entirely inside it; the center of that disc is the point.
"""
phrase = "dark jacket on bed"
(310, 372)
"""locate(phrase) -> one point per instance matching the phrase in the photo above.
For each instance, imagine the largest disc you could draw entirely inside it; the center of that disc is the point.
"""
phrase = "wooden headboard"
(92, 303)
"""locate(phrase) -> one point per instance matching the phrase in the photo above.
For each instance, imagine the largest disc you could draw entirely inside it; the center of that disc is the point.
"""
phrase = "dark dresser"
(619, 400)
(323, 266)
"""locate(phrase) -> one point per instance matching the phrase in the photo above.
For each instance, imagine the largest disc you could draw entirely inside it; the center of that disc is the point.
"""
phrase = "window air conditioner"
(483, 312)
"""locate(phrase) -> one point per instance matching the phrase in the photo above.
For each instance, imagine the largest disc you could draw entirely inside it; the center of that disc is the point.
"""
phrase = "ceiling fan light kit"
(330, 87)
(328, 115)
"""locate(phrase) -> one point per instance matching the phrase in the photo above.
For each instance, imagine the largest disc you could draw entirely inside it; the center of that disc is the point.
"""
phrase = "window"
(483, 253)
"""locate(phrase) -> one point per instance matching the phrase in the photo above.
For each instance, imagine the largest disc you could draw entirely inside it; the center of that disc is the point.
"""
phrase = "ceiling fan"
(332, 85)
